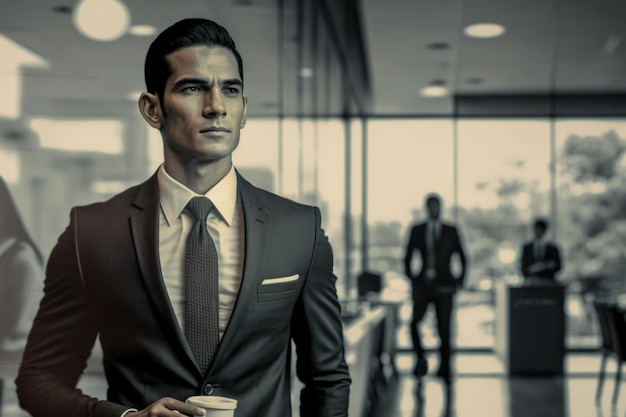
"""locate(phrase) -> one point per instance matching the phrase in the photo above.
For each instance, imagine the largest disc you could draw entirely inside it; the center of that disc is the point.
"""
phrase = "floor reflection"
(537, 397)
(445, 399)
(481, 388)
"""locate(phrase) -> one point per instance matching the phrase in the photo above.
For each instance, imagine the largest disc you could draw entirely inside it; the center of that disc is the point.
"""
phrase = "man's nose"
(213, 105)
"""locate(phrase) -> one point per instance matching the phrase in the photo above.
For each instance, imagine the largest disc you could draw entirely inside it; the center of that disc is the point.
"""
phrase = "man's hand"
(536, 267)
(168, 407)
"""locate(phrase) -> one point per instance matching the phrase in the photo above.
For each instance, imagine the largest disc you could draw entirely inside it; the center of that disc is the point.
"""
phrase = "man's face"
(203, 105)
(539, 231)
(434, 209)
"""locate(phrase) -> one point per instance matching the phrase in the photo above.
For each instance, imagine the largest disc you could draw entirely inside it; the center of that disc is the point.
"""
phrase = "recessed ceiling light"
(434, 91)
(88, 19)
(484, 30)
(142, 30)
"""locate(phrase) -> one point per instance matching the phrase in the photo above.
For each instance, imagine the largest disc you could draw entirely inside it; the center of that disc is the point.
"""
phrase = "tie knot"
(199, 208)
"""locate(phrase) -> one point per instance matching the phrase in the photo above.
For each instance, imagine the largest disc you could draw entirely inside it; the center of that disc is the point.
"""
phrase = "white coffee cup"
(214, 405)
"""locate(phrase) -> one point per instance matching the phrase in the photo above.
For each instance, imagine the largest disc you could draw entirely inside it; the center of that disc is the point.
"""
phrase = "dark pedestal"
(530, 328)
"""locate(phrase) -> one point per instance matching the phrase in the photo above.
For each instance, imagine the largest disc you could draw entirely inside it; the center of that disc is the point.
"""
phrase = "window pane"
(503, 181)
(406, 160)
(591, 217)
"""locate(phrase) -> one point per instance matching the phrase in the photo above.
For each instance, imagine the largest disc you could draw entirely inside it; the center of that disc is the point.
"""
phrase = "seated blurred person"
(21, 279)
(540, 258)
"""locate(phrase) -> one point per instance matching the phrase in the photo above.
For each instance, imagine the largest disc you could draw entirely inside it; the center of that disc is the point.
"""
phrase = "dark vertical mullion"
(300, 98)
(281, 90)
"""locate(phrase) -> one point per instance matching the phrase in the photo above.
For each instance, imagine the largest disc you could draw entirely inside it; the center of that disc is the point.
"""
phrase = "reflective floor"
(479, 389)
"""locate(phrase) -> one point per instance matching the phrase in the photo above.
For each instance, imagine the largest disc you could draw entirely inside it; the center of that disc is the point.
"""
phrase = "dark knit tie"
(201, 286)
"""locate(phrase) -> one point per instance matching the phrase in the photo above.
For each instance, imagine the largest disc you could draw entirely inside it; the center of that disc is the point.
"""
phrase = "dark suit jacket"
(103, 279)
(447, 244)
(551, 254)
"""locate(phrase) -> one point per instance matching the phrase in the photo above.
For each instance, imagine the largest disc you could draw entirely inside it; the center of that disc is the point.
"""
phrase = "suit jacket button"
(207, 389)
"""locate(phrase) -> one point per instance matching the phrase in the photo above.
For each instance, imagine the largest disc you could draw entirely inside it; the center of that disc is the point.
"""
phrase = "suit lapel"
(257, 225)
(145, 233)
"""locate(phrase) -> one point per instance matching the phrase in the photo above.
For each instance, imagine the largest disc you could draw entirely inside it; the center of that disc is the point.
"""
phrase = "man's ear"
(150, 109)
(244, 116)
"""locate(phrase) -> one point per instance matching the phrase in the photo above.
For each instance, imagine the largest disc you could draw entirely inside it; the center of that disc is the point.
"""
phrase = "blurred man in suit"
(540, 257)
(196, 282)
(435, 283)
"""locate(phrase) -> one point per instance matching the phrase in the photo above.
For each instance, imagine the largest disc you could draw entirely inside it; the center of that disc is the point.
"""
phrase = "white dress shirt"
(226, 227)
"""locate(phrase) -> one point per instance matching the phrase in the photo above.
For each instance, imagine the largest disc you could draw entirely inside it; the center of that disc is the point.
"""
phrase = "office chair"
(368, 282)
(613, 329)
(607, 343)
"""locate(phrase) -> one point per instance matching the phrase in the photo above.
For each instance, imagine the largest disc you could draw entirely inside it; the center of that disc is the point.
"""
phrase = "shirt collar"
(175, 196)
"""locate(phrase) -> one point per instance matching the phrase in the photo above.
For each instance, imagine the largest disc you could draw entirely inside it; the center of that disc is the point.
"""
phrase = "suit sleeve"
(60, 342)
(556, 258)
(524, 262)
(318, 335)
(410, 248)
(462, 257)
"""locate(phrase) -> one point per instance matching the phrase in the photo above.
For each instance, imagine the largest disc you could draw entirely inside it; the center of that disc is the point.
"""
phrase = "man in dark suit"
(540, 257)
(122, 269)
(435, 283)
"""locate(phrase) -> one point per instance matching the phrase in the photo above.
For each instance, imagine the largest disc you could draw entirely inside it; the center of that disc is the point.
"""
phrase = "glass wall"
(407, 159)
(495, 176)
(503, 182)
(591, 216)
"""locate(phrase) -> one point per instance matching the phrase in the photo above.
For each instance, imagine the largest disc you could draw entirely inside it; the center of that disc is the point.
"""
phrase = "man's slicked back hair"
(183, 34)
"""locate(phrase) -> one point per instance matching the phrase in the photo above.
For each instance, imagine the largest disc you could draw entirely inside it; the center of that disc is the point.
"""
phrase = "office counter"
(530, 328)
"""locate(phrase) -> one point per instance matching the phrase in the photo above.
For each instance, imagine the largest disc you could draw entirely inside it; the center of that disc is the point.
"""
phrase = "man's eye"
(191, 89)
(231, 91)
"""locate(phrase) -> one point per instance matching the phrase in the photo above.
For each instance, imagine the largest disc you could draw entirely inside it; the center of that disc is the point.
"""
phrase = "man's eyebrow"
(203, 81)
(232, 81)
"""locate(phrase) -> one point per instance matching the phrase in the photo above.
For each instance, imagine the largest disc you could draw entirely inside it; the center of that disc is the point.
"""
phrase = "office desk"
(530, 328)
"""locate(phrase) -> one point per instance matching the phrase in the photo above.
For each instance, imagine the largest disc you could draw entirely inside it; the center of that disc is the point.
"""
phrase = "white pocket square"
(280, 280)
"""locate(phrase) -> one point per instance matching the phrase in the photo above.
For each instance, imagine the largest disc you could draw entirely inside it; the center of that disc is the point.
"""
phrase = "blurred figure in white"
(21, 280)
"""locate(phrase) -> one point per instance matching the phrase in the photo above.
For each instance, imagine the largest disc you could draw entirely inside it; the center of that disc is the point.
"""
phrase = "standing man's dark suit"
(104, 278)
(551, 260)
(108, 275)
(434, 283)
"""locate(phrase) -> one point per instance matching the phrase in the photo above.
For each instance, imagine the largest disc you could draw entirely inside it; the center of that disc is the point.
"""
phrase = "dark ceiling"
(550, 47)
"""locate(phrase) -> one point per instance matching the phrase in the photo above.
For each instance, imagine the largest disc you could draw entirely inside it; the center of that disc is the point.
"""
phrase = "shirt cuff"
(130, 410)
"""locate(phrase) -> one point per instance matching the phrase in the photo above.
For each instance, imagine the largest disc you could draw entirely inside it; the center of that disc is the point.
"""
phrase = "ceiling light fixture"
(484, 30)
(101, 20)
(437, 88)
(142, 30)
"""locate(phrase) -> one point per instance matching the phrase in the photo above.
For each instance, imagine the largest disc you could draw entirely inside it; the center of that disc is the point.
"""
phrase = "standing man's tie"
(431, 242)
(201, 286)
(538, 250)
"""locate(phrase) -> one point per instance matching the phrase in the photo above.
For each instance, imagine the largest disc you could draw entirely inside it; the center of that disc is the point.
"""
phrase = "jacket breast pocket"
(277, 289)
